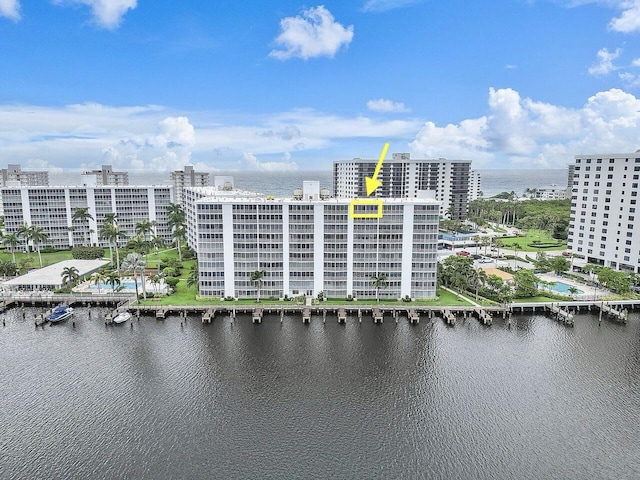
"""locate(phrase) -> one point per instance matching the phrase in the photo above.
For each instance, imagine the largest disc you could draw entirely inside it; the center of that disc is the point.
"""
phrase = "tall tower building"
(15, 176)
(604, 203)
(447, 181)
(187, 177)
(105, 176)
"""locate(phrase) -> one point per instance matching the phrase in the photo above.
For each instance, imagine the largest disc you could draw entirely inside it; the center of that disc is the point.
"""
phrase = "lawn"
(47, 258)
(539, 298)
(530, 236)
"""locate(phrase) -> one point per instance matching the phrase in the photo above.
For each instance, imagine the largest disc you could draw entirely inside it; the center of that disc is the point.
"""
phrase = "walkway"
(466, 299)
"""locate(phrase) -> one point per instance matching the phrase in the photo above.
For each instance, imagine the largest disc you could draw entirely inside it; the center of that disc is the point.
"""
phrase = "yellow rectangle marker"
(365, 201)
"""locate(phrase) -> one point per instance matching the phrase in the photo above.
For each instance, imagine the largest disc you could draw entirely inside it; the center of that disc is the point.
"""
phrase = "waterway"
(238, 400)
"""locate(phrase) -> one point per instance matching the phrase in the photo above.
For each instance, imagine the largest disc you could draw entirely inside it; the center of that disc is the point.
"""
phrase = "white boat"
(60, 313)
(122, 317)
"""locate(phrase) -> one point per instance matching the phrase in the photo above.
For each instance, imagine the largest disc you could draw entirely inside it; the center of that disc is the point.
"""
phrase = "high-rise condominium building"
(447, 181)
(52, 209)
(14, 175)
(187, 178)
(475, 185)
(105, 176)
(604, 203)
(311, 244)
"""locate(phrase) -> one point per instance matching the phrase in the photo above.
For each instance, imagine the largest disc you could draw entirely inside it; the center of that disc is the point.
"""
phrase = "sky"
(285, 85)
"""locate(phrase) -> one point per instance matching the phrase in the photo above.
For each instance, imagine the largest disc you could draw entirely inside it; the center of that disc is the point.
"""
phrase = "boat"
(60, 313)
(122, 317)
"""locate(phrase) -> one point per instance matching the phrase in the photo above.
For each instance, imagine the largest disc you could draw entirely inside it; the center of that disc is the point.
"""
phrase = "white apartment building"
(551, 192)
(14, 175)
(603, 210)
(311, 244)
(52, 208)
(475, 185)
(447, 181)
(104, 176)
(187, 177)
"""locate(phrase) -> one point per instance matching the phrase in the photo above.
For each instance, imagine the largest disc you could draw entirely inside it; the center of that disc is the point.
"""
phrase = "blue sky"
(282, 85)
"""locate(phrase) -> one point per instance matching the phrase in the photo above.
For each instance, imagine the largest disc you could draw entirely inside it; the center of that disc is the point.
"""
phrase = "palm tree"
(516, 247)
(573, 290)
(113, 279)
(194, 278)
(379, 281)
(156, 242)
(98, 279)
(256, 277)
(498, 244)
(476, 239)
(135, 262)
(156, 280)
(70, 274)
(139, 245)
(145, 227)
(24, 231)
(11, 240)
(112, 233)
(82, 215)
(176, 223)
(37, 236)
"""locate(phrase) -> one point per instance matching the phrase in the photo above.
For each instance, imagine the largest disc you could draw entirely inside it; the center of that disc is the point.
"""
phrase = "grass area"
(530, 236)
(47, 258)
(539, 298)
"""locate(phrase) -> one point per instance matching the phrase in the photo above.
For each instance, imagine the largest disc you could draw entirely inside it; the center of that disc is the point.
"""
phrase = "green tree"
(559, 264)
(194, 278)
(112, 233)
(37, 235)
(135, 263)
(525, 283)
(69, 274)
(144, 227)
(257, 278)
(113, 279)
(82, 215)
(24, 232)
(543, 263)
(11, 240)
(379, 280)
(98, 279)
(176, 224)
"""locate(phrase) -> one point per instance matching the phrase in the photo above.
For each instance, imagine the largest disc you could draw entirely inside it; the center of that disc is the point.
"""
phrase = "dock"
(377, 315)
(306, 315)
(413, 316)
(342, 315)
(483, 316)
(257, 315)
(448, 316)
(208, 316)
(562, 315)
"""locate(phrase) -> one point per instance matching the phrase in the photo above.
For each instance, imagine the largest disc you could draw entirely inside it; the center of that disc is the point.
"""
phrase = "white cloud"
(137, 137)
(106, 13)
(526, 132)
(629, 19)
(605, 62)
(383, 105)
(313, 34)
(10, 9)
(250, 160)
(635, 62)
(385, 5)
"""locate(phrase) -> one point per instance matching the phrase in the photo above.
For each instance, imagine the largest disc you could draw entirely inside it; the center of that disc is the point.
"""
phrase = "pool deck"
(589, 293)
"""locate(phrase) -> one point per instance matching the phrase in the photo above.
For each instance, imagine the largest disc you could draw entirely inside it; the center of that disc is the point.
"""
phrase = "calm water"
(283, 183)
(320, 401)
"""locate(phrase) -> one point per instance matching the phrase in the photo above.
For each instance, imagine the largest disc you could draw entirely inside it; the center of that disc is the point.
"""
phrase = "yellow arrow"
(373, 183)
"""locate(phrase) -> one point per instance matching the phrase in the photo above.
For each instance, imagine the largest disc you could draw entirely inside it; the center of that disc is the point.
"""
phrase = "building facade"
(604, 205)
(475, 185)
(307, 246)
(187, 177)
(551, 192)
(52, 209)
(14, 175)
(447, 181)
(104, 176)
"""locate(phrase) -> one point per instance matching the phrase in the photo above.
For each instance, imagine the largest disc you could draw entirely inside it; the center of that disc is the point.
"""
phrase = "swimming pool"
(127, 285)
(562, 287)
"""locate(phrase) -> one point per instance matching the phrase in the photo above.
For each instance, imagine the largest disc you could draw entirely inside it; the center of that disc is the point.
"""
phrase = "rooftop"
(51, 276)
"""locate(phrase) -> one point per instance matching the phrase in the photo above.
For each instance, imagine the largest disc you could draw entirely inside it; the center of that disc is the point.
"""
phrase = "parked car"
(475, 256)
(485, 260)
(566, 254)
(463, 253)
